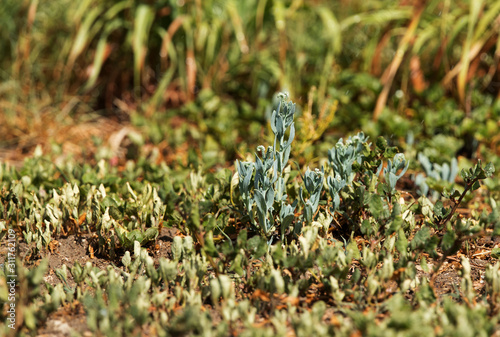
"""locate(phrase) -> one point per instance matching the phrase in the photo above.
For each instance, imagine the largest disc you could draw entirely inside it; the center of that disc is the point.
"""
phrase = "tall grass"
(164, 52)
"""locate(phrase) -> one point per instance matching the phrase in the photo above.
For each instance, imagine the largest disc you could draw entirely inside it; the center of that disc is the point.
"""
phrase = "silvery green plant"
(281, 120)
(391, 175)
(445, 173)
(335, 184)
(269, 188)
(265, 177)
(342, 156)
(341, 159)
(313, 181)
(245, 173)
(423, 188)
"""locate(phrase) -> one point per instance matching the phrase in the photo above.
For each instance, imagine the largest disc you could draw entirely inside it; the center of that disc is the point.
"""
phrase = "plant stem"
(457, 202)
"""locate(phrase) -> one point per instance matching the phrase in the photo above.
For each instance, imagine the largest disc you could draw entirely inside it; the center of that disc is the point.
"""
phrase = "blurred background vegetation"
(196, 79)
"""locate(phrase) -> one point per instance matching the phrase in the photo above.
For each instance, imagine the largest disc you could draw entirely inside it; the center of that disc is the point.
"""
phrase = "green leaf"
(115, 213)
(121, 232)
(126, 260)
(209, 245)
(194, 216)
(395, 225)
(423, 264)
(495, 253)
(489, 169)
(151, 234)
(237, 266)
(109, 202)
(261, 202)
(440, 212)
(168, 269)
(241, 241)
(456, 194)
(381, 143)
(390, 152)
(210, 223)
(376, 205)
(421, 238)
(367, 228)
(352, 250)
(449, 239)
(257, 246)
(464, 174)
(176, 248)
